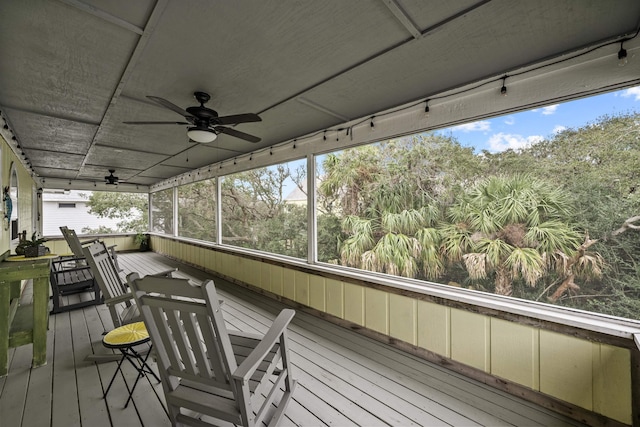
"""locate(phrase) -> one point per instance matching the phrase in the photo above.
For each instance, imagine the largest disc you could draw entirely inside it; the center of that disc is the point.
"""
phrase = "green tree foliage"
(598, 165)
(255, 214)
(535, 223)
(516, 230)
(162, 211)
(393, 195)
(197, 210)
(130, 209)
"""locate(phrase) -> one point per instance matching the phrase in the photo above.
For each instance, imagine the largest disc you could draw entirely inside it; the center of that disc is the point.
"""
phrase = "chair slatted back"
(72, 240)
(188, 331)
(104, 270)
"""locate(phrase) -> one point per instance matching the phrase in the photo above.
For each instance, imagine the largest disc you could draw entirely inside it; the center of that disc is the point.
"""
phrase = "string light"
(622, 60)
(622, 56)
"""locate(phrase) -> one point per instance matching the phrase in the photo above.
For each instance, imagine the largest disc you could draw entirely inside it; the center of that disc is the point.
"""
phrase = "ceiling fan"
(205, 122)
(111, 179)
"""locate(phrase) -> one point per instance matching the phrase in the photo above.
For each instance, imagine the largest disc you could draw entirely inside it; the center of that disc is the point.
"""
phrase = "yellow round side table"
(125, 338)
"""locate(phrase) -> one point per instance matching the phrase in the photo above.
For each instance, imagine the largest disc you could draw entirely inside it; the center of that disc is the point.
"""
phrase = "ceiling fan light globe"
(201, 135)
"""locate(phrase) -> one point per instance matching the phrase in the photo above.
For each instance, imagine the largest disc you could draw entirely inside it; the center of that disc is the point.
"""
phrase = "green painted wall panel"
(354, 303)
(514, 353)
(403, 318)
(276, 274)
(434, 328)
(566, 368)
(611, 382)
(470, 339)
(317, 293)
(335, 297)
(289, 284)
(302, 287)
(376, 314)
(265, 276)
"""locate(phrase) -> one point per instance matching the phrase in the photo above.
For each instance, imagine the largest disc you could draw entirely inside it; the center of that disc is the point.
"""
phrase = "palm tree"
(516, 227)
(389, 216)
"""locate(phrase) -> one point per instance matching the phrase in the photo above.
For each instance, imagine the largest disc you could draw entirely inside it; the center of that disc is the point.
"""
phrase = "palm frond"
(552, 236)
(497, 251)
(476, 265)
(526, 263)
(589, 265)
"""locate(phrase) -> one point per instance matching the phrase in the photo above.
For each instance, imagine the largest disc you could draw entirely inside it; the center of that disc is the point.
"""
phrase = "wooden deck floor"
(344, 379)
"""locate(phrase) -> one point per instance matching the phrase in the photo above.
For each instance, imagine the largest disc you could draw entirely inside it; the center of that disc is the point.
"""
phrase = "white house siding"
(75, 218)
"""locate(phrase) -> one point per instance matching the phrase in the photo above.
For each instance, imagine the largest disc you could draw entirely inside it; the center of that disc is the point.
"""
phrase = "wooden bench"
(68, 278)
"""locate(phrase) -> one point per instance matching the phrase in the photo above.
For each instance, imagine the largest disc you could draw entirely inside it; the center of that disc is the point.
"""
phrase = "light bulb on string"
(622, 56)
(503, 89)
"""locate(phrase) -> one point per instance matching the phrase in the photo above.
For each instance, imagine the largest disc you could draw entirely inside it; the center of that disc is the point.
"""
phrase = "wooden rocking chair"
(113, 284)
(115, 290)
(207, 371)
(77, 246)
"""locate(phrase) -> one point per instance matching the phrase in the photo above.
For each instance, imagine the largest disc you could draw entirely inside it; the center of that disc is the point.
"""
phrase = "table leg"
(40, 320)
(4, 328)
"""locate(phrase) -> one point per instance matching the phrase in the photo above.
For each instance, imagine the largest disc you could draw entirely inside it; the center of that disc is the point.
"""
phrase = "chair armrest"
(66, 270)
(166, 273)
(67, 259)
(88, 242)
(120, 298)
(250, 335)
(251, 363)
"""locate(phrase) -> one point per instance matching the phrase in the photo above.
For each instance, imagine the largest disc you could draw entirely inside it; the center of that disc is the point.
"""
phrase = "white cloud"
(504, 141)
(558, 129)
(548, 110)
(481, 126)
(509, 120)
(634, 91)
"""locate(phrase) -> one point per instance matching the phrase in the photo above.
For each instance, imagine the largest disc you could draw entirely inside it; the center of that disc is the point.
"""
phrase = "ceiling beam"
(92, 10)
(403, 17)
(319, 107)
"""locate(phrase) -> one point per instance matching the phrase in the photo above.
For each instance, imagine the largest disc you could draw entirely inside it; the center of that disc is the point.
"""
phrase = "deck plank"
(37, 407)
(65, 410)
(92, 406)
(15, 389)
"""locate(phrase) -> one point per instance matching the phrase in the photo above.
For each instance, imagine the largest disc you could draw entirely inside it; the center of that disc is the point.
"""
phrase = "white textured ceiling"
(72, 71)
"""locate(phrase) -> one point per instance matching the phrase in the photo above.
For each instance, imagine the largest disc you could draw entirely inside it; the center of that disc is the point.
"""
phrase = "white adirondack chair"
(113, 284)
(207, 371)
(77, 246)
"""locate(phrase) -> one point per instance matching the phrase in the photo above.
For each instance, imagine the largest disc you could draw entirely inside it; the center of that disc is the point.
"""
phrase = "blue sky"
(525, 128)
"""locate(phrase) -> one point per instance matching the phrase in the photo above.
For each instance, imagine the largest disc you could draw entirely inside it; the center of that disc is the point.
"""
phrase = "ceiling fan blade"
(169, 105)
(237, 118)
(157, 123)
(237, 134)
